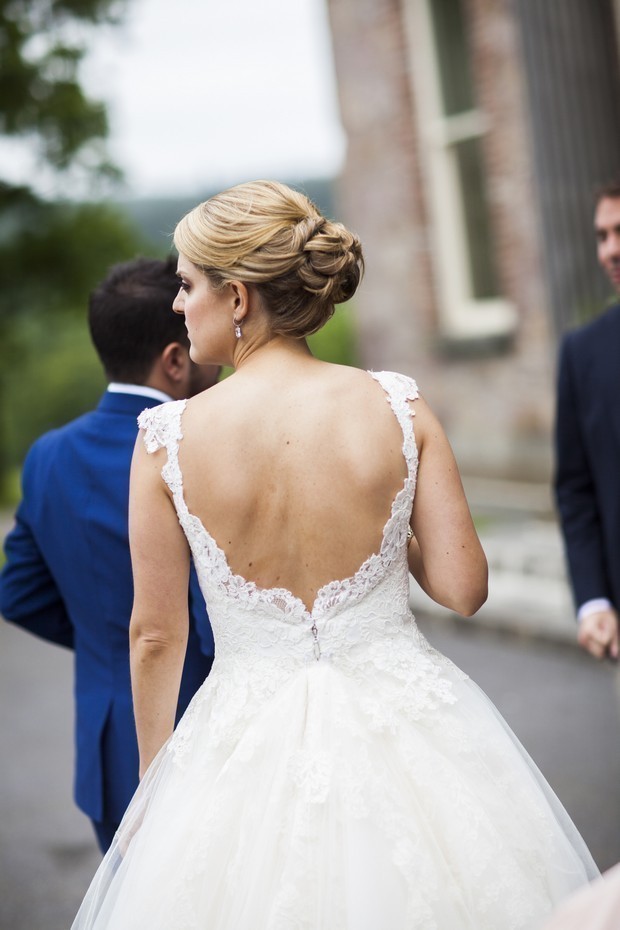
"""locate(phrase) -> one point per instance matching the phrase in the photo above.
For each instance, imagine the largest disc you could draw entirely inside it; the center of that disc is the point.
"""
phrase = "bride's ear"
(241, 298)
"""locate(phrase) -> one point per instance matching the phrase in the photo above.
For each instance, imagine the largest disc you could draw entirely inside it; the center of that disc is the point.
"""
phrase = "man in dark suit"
(67, 576)
(587, 480)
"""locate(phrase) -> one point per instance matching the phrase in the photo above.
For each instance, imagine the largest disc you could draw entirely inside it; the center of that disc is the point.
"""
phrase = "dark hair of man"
(610, 190)
(131, 318)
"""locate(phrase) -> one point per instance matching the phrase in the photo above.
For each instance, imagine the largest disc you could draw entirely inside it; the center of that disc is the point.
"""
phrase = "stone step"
(529, 547)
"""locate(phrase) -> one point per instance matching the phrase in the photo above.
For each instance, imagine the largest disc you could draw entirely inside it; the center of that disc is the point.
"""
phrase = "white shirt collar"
(115, 387)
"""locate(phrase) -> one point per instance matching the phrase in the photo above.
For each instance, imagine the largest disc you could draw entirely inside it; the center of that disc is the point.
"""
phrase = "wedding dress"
(334, 772)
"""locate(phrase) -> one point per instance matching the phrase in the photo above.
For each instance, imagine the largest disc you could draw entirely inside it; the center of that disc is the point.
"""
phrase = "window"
(450, 132)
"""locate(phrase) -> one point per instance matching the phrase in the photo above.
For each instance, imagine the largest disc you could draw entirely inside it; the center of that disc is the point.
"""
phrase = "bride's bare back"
(293, 471)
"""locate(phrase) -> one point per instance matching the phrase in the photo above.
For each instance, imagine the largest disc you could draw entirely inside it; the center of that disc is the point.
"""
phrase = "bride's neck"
(278, 350)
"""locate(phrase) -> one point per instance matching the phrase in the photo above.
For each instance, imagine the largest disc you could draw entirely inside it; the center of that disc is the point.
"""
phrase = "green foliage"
(48, 369)
(58, 377)
(51, 254)
(336, 342)
(10, 490)
(43, 43)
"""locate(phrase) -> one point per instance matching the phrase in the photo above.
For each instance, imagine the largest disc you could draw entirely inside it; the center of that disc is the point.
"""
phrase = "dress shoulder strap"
(400, 389)
(162, 430)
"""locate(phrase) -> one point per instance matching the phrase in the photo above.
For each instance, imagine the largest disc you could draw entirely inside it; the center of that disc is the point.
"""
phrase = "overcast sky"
(203, 93)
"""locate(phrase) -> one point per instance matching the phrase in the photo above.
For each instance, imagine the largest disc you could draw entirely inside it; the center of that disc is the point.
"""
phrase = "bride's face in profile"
(208, 315)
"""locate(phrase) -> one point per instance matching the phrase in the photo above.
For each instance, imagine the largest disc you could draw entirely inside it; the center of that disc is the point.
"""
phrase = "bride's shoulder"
(398, 385)
(160, 413)
(211, 398)
(211, 409)
(161, 424)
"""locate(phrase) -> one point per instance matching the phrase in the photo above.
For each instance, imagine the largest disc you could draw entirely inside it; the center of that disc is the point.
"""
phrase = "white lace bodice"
(250, 620)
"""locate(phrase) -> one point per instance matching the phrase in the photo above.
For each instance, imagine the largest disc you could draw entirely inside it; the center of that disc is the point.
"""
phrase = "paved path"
(47, 851)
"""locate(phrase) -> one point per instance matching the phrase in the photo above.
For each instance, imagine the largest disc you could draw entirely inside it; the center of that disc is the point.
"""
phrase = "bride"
(334, 772)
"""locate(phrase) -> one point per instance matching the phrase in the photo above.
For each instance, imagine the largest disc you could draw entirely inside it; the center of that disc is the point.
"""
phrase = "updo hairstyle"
(272, 237)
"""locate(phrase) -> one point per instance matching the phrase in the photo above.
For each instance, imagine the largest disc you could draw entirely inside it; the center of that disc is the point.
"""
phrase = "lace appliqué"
(162, 430)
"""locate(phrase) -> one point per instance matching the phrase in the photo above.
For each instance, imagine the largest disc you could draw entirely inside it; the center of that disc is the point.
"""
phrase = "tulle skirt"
(328, 800)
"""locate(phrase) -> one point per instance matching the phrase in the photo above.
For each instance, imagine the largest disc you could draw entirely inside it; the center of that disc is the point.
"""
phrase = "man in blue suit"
(67, 576)
(587, 480)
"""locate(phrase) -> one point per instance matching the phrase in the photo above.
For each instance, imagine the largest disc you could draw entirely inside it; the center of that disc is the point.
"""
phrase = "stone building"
(477, 133)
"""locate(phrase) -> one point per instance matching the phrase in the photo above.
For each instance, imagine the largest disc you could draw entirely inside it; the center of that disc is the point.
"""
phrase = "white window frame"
(462, 317)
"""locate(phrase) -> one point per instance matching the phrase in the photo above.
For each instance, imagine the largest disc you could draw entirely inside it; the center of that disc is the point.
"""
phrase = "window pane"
(452, 56)
(478, 233)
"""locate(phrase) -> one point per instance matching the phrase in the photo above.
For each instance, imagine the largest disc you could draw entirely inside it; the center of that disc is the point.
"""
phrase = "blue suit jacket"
(68, 579)
(587, 435)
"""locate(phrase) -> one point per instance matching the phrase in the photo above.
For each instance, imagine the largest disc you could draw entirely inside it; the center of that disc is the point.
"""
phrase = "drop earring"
(237, 324)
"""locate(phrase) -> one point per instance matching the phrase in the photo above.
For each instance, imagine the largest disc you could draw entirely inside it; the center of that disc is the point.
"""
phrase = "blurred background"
(116, 117)
(463, 140)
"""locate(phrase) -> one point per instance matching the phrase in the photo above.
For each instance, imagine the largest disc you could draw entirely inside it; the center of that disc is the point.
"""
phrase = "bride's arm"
(445, 555)
(159, 620)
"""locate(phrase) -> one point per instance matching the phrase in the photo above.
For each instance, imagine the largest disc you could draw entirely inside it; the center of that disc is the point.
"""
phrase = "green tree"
(50, 372)
(43, 43)
(51, 252)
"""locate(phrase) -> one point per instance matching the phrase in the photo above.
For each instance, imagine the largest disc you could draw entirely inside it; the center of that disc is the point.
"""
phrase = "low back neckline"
(168, 433)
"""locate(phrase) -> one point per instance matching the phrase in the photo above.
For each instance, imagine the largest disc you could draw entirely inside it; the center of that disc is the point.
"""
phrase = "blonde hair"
(265, 234)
